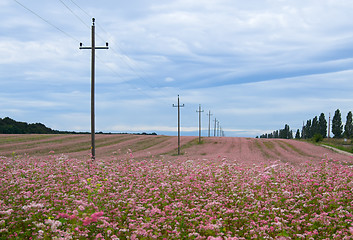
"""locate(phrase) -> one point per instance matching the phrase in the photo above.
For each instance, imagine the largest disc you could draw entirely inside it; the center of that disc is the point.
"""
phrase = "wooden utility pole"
(329, 122)
(209, 123)
(93, 48)
(215, 126)
(178, 106)
(199, 111)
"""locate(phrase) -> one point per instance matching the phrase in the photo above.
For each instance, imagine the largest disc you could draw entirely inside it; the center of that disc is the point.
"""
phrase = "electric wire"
(43, 19)
(81, 9)
(80, 19)
(122, 52)
(75, 39)
(111, 47)
(83, 22)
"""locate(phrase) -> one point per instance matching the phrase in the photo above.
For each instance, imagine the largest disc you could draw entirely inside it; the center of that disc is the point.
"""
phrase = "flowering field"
(57, 197)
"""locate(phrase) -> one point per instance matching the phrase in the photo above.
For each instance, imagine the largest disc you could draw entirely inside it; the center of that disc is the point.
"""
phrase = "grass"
(20, 138)
(42, 144)
(146, 143)
(269, 145)
(260, 147)
(71, 143)
(283, 143)
(183, 147)
(340, 144)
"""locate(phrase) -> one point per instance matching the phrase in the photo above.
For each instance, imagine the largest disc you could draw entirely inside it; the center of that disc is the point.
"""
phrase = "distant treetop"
(10, 126)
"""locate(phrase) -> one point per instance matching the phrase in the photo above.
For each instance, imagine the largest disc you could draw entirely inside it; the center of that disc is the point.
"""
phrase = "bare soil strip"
(245, 150)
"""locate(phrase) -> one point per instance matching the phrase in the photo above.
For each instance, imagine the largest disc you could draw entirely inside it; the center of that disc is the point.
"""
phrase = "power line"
(129, 64)
(51, 24)
(75, 39)
(111, 48)
(83, 22)
(81, 8)
(67, 34)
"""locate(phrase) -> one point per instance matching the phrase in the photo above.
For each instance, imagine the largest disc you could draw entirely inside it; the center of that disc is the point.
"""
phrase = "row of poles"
(217, 127)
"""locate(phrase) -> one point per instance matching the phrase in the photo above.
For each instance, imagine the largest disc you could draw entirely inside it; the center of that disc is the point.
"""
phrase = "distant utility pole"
(209, 123)
(93, 48)
(178, 106)
(215, 127)
(199, 111)
(329, 122)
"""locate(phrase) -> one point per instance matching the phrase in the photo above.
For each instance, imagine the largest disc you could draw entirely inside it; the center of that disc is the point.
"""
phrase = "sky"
(254, 65)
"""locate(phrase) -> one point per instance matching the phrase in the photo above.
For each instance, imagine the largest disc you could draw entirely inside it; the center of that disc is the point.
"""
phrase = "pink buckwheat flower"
(94, 217)
(63, 215)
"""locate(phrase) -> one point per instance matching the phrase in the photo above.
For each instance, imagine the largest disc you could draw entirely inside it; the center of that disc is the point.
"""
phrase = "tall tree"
(286, 132)
(308, 132)
(348, 128)
(337, 127)
(276, 134)
(297, 135)
(323, 125)
(314, 126)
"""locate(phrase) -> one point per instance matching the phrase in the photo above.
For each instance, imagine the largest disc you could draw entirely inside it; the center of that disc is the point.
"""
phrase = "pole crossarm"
(93, 48)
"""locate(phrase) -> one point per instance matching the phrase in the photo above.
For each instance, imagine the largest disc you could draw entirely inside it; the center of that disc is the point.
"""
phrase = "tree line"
(285, 133)
(317, 128)
(10, 126)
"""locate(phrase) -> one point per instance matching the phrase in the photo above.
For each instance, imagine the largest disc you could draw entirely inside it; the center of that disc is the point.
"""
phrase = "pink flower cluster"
(93, 218)
(174, 199)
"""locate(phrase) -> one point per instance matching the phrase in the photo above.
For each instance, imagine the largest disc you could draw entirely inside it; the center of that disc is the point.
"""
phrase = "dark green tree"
(10, 126)
(348, 128)
(308, 132)
(303, 132)
(286, 133)
(276, 134)
(337, 127)
(314, 126)
(297, 135)
(323, 125)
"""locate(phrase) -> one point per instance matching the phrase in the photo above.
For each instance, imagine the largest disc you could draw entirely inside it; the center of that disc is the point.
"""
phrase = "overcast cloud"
(256, 65)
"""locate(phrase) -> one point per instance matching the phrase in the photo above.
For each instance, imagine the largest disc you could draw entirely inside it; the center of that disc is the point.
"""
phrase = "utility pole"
(199, 111)
(209, 122)
(215, 127)
(178, 106)
(93, 48)
(329, 122)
